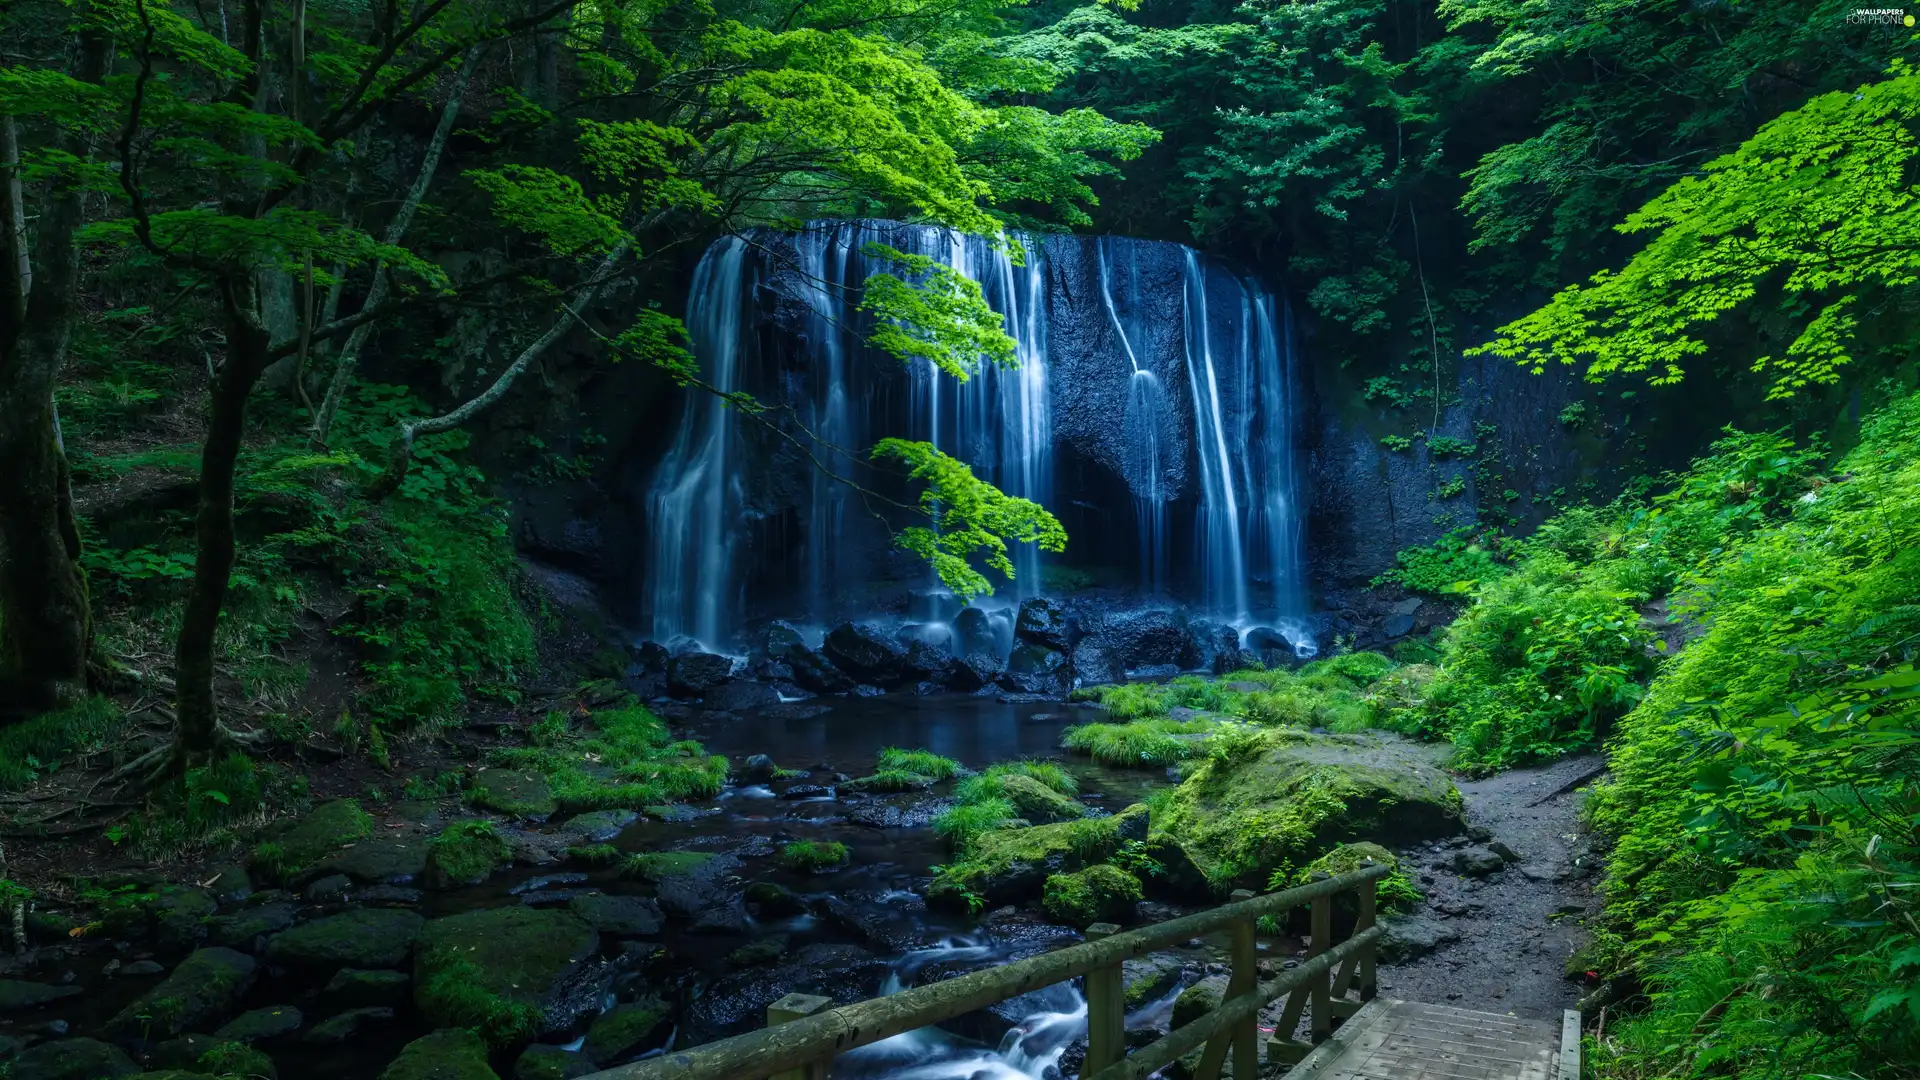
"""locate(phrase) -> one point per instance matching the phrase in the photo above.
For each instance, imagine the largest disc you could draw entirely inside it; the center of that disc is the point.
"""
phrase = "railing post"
(1245, 977)
(1106, 1010)
(1322, 983)
(799, 1007)
(1369, 985)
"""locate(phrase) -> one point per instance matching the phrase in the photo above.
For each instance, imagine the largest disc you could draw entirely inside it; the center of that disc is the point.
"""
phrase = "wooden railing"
(805, 1033)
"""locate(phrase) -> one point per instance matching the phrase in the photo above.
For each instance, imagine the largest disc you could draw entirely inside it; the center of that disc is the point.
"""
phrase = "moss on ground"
(443, 1055)
(813, 856)
(1012, 864)
(488, 971)
(627, 761)
(1395, 892)
(467, 852)
(656, 866)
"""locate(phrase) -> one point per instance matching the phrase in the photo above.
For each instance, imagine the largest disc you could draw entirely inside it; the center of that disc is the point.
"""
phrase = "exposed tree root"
(172, 758)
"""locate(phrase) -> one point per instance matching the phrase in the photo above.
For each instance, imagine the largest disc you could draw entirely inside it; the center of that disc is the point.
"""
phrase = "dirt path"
(1498, 940)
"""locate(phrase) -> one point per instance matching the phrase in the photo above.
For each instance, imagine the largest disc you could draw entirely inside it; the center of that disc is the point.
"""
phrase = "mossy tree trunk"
(46, 631)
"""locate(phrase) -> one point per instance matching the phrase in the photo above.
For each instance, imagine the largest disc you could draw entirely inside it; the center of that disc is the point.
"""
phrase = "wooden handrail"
(818, 1038)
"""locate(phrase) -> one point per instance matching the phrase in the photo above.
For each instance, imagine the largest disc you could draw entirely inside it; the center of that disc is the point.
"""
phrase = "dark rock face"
(1270, 647)
(73, 1059)
(974, 630)
(1035, 669)
(1145, 639)
(692, 674)
(21, 996)
(1217, 647)
(1093, 666)
(1042, 622)
(740, 696)
(738, 1002)
(869, 653)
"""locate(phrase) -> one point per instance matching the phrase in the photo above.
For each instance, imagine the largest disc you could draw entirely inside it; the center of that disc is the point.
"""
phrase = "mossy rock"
(180, 915)
(624, 1031)
(544, 1061)
(1099, 893)
(244, 927)
(262, 1025)
(444, 1055)
(1286, 798)
(1013, 865)
(16, 996)
(354, 987)
(326, 828)
(73, 1059)
(358, 938)
(514, 793)
(624, 916)
(1038, 803)
(1198, 1000)
(1395, 892)
(202, 992)
(388, 860)
(499, 969)
(888, 782)
(236, 1059)
(467, 853)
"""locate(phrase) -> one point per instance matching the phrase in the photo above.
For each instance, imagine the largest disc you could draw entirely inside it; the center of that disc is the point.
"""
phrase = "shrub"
(1454, 565)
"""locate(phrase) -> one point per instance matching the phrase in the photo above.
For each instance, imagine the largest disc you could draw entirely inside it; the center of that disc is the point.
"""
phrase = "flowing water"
(1197, 367)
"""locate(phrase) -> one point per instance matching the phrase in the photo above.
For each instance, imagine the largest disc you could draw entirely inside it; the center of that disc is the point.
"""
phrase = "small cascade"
(695, 501)
(1145, 416)
(1057, 1016)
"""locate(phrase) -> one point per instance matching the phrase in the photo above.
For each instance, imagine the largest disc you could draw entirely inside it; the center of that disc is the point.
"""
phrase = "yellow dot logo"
(1909, 20)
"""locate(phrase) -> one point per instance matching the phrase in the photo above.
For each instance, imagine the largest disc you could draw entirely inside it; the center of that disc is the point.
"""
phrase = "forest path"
(1500, 941)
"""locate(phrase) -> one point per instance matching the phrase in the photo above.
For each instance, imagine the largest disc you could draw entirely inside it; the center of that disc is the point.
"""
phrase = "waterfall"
(1219, 524)
(693, 534)
(1160, 380)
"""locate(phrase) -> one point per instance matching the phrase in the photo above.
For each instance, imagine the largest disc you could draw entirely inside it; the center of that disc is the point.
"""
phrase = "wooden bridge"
(1363, 1039)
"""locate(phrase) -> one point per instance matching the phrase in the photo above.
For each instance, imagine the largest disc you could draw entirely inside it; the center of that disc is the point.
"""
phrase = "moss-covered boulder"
(1037, 803)
(1264, 799)
(624, 916)
(73, 1059)
(1012, 865)
(466, 853)
(514, 793)
(16, 996)
(502, 971)
(325, 829)
(179, 917)
(545, 1061)
(202, 992)
(444, 1055)
(386, 860)
(262, 1025)
(358, 938)
(624, 1031)
(244, 928)
(354, 987)
(236, 1059)
(1395, 892)
(1099, 893)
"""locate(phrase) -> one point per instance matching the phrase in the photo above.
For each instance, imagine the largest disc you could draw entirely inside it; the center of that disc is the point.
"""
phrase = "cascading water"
(1150, 366)
(693, 537)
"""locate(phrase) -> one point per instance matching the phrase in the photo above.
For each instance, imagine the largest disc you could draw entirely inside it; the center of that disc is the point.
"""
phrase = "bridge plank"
(1412, 1041)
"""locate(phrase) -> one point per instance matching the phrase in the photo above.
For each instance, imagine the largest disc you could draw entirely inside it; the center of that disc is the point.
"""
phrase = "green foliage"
(1445, 446)
(462, 1000)
(1395, 892)
(467, 851)
(813, 856)
(1396, 443)
(935, 314)
(963, 825)
(1141, 743)
(1806, 218)
(1454, 565)
(971, 518)
(1100, 893)
(629, 760)
(1452, 488)
(1386, 388)
(209, 802)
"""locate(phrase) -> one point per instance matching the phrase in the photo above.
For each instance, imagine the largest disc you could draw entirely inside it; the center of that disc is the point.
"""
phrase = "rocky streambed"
(398, 942)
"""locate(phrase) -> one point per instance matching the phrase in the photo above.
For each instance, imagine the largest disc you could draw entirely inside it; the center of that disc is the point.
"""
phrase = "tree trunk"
(248, 341)
(46, 631)
(343, 367)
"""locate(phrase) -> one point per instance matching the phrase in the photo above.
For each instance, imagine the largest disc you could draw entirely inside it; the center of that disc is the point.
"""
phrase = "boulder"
(1037, 803)
(775, 900)
(782, 640)
(357, 938)
(261, 1025)
(622, 916)
(467, 853)
(1287, 797)
(1036, 660)
(1271, 647)
(600, 826)
(244, 928)
(929, 662)
(1477, 861)
(1394, 626)
(453, 1054)
(324, 830)
(198, 1054)
(22, 996)
(688, 883)
(1146, 639)
(1042, 622)
(973, 633)
(202, 992)
(740, 696)
(692, 674)
(974, 671)
(341, 1027)
(1093, 666)
(514, 793)
(869, 653)
(1199, 999)
(1217, 647)
(545, 1061)
(73, 1059)
(1099, 893)
(179, 917)
(385, 860)
(737, 1002)
(358, 987)
(498, 959)
(625, 1031)
(1411, 937)
(1012, 865)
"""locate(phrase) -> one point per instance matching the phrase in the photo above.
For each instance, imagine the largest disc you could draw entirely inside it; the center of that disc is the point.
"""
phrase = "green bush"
(1453, 565)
